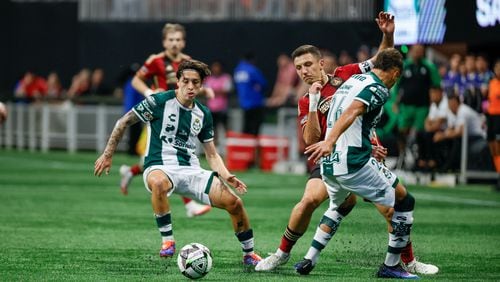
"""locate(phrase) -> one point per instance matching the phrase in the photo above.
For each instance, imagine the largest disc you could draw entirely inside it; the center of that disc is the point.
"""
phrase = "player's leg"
(223, 197)
(377, 184)
(341, 204)
(194, 208)
(160, 186)
(410, 263)
(314, 194)
(127, 173)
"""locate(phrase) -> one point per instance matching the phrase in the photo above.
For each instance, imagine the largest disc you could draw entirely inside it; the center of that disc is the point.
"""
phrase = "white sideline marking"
(456, 200)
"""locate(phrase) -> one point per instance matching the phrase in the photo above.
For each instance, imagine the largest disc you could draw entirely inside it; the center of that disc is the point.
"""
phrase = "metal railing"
(226, 10)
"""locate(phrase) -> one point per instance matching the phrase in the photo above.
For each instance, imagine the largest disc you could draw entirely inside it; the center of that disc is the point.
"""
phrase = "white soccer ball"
(194, 260)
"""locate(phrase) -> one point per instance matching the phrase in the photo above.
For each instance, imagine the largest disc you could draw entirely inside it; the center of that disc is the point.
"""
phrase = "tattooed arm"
(103, 163)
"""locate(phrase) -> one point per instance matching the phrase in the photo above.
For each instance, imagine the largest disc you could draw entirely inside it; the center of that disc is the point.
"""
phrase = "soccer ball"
(194, 260)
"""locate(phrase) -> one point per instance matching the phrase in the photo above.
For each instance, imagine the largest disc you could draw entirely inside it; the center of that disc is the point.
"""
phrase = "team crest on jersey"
(324, 105)
(197, 125)
(147, 116)
(336, 81)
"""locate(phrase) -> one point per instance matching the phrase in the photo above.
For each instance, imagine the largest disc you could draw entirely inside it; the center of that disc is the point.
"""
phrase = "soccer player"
(312, 115)
(346, 164)
(175, 119)
(161, 68)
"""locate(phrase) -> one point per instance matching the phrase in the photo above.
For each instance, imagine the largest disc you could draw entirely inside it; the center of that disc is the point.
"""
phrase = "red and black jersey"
(161, 70)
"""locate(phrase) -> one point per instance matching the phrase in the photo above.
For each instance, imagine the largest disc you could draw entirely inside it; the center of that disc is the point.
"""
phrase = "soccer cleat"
(304, 267)
(251, 260)
(167, 249)
(396, 271)
(271, 262)
(420, 267)
(126, 175)
(195, 209)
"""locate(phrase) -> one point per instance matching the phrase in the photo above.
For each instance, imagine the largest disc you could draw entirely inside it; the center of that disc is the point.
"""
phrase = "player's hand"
(315, 88)
(379, 153)
(238, 185)
(208, 92)
(385, 22)
(103, 163)
(318, 150)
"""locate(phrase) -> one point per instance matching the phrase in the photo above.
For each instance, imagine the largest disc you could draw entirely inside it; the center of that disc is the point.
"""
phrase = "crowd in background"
(432, 106)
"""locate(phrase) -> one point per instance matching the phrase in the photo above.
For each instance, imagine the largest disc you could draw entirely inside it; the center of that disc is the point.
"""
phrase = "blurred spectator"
(471, 94)
(222, 85)
(98, 85)
(428, 152)
(54, 87)
(250, 85)
(3, 113)
(451, 79)
(286, 79)
(80, 84)
(460, 117)
(363, 53)
(494, 117)
(484, 75)
(345, 58)
(412, 95)
(31, 88)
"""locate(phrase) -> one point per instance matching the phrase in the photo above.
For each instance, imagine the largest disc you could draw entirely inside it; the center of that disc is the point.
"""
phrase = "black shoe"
(396, 271)
(304, 266)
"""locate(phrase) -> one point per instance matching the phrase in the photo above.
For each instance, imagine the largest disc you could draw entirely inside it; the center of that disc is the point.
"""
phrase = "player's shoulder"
(185, 57)
(153, 57)
(163, 97)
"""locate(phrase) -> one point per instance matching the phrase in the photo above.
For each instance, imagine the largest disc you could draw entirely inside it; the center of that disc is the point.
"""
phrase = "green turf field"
(59, 222)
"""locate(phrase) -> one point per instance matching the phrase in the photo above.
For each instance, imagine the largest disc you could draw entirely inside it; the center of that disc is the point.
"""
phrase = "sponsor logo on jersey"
(324, 104)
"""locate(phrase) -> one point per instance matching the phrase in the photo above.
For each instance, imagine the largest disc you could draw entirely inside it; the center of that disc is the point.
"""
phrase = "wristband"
(148, 92)
(313, 102)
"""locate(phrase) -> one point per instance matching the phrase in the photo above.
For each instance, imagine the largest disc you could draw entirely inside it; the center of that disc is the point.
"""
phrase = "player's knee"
(159, 186)
(406, 204)
(234, 205)
(346, 207)
(307, 205)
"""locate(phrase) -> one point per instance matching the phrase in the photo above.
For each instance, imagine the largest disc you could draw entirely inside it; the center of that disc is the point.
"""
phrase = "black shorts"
(315, 172)
(493, 127)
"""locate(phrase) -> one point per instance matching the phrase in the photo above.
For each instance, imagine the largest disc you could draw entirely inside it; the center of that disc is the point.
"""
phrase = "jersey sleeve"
(303, 108)
(148, 69)
(207, 131)
(147, 109)
(373, 96)
(345, 72)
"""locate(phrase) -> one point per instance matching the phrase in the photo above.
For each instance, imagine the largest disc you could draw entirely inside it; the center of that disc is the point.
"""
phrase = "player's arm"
(385, 22)
(345, 120)
(216, 164)
(311, 130)
(103, 163)
(140, 78)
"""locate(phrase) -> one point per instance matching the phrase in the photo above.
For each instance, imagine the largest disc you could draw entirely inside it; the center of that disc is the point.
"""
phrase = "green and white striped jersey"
(353, 148)
(173, 129)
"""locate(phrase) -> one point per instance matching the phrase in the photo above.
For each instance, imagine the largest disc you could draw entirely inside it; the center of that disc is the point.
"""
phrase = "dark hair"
(387, 59)
(200, 67)
(306, 49)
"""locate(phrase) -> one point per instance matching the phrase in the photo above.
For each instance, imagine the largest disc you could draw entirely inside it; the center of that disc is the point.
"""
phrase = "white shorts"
(192, 182)
(373, 182)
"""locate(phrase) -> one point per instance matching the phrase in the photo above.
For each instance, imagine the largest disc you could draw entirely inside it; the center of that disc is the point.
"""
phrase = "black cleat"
(304, 267)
